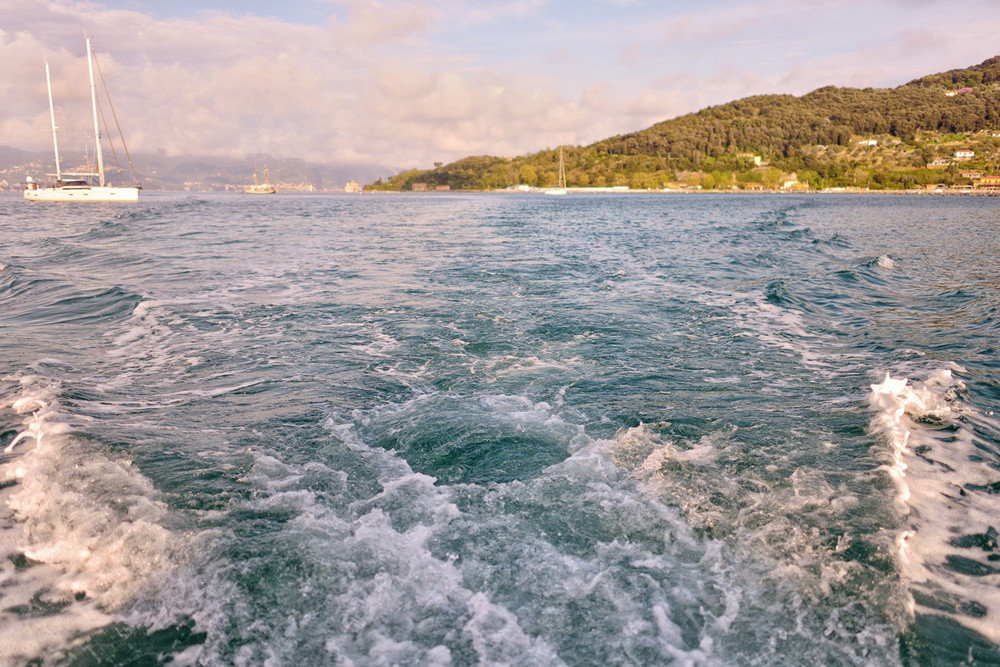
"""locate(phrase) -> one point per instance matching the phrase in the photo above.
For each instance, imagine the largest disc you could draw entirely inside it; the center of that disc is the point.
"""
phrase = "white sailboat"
(560, 189)
(79, 186)
(260, 189)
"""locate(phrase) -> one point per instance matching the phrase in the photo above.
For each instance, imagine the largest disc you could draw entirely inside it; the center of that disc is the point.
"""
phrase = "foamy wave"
(886, 262)
(83, 530)
(381, 346)
(44, 415)
(374, 591)
(751, 529)
(154, 343)
(934, 464)
(782, 328)
(511, 364)
(892, 400)
(775, 326)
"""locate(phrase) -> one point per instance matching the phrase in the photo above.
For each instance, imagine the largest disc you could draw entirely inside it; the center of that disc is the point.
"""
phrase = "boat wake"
(946, 493)
(82, 529)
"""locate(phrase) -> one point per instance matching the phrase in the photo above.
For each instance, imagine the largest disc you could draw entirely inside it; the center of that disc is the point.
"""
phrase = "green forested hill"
(815, 138)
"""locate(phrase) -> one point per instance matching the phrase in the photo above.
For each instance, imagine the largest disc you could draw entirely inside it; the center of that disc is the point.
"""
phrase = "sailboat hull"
(80, 193)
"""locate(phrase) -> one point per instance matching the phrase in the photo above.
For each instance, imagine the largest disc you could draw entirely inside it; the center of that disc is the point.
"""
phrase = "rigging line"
(111, 144)
(117, 125)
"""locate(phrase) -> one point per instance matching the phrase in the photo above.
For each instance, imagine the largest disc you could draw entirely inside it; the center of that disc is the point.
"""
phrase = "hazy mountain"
(158, 171)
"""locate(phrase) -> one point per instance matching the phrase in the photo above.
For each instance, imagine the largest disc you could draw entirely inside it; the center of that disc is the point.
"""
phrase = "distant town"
(196, 174)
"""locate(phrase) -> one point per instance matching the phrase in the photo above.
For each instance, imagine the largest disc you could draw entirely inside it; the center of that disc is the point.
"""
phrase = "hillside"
(832, 137)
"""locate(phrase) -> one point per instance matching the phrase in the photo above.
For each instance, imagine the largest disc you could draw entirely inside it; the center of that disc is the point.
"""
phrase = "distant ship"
(260, 189)
(79, 186)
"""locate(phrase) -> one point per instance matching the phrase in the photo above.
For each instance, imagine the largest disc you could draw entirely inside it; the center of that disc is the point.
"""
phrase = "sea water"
(500, 429)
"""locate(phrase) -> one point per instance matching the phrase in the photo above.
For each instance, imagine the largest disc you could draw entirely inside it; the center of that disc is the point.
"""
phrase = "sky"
(407, 83)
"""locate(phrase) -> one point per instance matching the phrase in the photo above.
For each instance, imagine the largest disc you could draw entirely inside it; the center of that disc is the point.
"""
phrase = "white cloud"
(371, 22)
(410, 82)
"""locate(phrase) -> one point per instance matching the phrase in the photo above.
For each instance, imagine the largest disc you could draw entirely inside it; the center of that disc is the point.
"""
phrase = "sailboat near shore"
(80, 186)
(264, 188)
(560, 189)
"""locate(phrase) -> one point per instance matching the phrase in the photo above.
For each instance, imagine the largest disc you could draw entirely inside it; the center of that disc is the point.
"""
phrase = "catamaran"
(561, 188)
(80, 186)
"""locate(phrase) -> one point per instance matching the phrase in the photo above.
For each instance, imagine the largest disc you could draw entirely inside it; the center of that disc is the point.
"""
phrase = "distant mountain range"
(158, 171)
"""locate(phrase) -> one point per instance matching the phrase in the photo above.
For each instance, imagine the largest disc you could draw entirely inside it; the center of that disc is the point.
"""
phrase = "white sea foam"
(611, 578)
(154, 344)
(763, 556)
(379, 583)
(782, 328)
(732, 379)
(379, 587)
(88, 525)
(886, 262)
(931, 468)
(776, 326)
(519, 409)
(44, 416)
(512, 364)
(381, 345)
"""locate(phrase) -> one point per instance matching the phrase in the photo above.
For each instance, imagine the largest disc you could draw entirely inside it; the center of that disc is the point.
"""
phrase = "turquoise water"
(500, 430)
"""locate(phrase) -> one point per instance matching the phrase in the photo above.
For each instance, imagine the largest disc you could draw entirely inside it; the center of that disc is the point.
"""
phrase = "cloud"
(372, 22)
(631, 55)
(707, 29)
(450, 115)
(411, 82)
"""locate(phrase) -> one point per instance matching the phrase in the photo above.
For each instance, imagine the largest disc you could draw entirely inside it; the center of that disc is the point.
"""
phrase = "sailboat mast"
(52, 115)
(97, 126)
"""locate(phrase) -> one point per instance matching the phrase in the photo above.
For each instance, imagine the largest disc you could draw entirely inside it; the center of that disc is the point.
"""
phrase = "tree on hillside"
(772, 177)
(528, 175)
